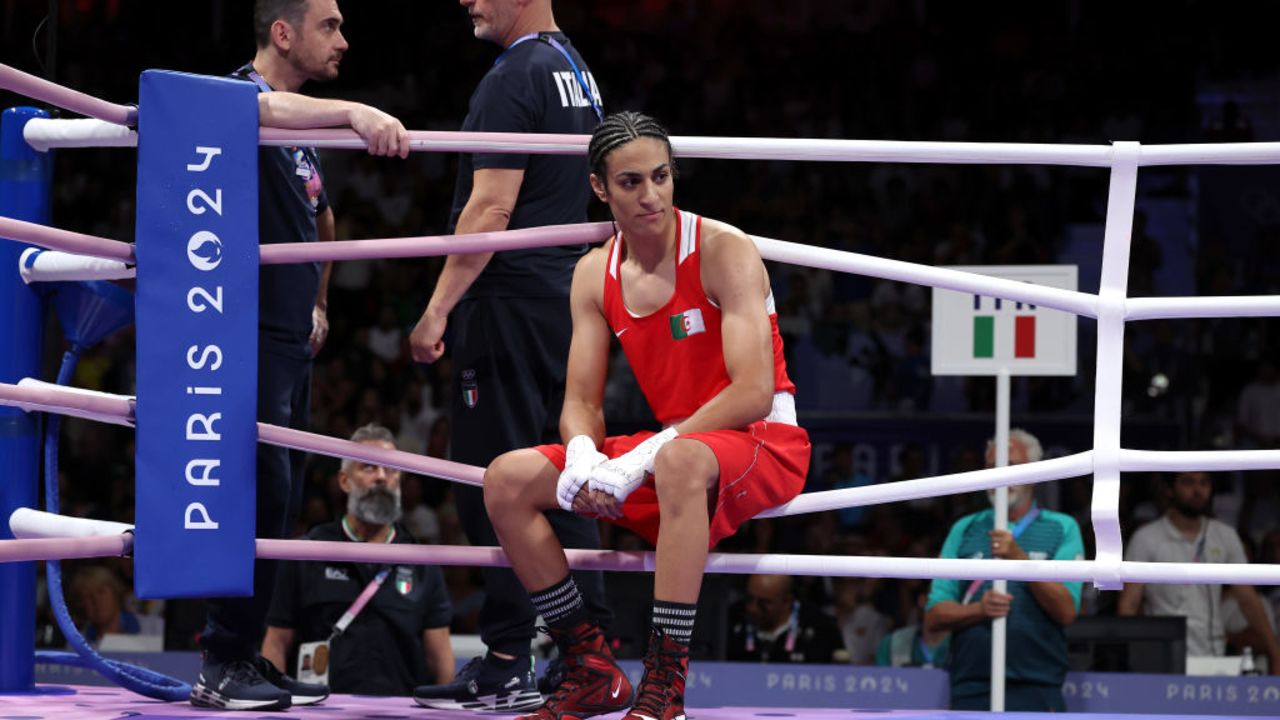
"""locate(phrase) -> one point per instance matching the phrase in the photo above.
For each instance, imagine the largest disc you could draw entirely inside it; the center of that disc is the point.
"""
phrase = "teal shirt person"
(1036, 646)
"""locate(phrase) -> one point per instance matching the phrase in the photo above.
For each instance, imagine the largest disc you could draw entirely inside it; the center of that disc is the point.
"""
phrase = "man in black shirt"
(401, 638)
(772, 625)
(510, 316)
(298, 40)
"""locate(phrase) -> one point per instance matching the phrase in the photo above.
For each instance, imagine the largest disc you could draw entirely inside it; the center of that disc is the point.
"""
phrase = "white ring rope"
(28, 524)
(45, 134)
(36, 265)
(1108, 396)
(34, 524)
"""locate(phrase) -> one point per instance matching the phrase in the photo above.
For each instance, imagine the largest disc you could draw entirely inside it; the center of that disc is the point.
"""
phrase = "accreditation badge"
(313, 662)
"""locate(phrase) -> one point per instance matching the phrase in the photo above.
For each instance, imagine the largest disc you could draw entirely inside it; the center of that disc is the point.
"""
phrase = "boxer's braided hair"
(619, 129)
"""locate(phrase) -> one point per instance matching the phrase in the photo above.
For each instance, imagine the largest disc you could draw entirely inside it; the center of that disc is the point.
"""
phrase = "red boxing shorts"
(761, 467)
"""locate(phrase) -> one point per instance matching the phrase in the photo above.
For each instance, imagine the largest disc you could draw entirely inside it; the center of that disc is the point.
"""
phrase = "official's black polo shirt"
(532, 89)
(381, 653)
(290, 196)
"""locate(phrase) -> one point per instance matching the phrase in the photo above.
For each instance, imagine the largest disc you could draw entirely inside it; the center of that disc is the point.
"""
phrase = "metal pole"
(24, 194)
(999, 626)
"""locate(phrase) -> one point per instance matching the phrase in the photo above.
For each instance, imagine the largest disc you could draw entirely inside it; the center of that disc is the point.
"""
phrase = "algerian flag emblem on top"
(687, 323)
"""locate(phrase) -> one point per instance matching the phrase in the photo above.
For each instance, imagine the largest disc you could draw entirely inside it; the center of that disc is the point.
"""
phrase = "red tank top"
(676, 352)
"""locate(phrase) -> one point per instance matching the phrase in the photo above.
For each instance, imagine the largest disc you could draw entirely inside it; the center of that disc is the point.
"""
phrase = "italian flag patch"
(687, 323)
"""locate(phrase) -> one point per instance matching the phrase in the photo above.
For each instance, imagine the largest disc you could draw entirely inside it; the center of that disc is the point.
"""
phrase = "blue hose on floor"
(130, 677)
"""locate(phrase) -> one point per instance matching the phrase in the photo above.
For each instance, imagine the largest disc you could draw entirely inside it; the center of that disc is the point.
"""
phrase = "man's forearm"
(458, 274)
(1256, 615)
(300, 112)
(462, 270)
(322, 292)
(948, 616)
(439, 654)
(326, 231)
(1055, 599)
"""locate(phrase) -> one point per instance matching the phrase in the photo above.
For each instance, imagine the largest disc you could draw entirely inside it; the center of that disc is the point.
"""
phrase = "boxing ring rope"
(33, 524)
(64, 97)
(118, 409)
(65, 240)
(65, 247)
(49, 134)
(30, 394)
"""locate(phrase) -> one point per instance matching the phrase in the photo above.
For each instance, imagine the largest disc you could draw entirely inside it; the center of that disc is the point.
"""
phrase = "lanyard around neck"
(582, 81)
(369, 590)
(793, 629)
(356, 607)
(1023, 523)
(256, 77)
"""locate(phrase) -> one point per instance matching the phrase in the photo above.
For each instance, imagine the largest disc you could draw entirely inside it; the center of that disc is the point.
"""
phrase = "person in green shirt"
(1037, 612)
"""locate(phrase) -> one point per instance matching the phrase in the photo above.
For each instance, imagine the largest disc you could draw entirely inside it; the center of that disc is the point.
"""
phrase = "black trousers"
(509, 358)
(235, 626)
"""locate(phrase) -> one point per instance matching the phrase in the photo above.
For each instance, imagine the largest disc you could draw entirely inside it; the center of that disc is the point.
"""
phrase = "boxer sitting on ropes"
(689, 300)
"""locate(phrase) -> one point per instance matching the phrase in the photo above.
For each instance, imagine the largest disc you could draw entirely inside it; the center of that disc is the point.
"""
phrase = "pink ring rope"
(27, 84)
(282, 253)
(65, 240)
(65, 548)
(432, 140)
(119, 410)
(344, 449)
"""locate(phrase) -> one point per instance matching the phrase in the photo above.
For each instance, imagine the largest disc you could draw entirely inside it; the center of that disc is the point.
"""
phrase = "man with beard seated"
(403, 631)
(1186, 533)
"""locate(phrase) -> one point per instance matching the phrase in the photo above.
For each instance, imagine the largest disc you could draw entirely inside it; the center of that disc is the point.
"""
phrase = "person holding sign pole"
(1037, 612)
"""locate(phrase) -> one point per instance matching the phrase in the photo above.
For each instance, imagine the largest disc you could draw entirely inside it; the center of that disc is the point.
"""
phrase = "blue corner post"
(24, 195)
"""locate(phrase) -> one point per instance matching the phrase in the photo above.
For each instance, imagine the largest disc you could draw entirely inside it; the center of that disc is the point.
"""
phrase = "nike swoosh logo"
(619, 333)
(617, 688)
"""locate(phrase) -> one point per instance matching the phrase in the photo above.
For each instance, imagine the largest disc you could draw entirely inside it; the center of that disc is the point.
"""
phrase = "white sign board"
(981, 335)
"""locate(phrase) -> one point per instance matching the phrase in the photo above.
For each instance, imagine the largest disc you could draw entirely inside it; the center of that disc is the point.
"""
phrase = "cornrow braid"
(619, 129)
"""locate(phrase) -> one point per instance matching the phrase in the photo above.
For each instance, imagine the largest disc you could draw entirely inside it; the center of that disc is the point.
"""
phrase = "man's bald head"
(769, 600)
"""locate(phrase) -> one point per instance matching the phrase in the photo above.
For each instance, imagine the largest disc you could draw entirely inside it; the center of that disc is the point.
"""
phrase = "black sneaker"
(482, 685)
(552, 678)
(299, 692)
(236, 685)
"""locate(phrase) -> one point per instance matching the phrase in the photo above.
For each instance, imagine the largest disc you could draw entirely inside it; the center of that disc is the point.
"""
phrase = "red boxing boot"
(661, 694)
(593, 683)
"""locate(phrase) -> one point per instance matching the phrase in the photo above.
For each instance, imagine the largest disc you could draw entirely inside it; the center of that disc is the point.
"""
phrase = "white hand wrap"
(623, 474)
(580, 456)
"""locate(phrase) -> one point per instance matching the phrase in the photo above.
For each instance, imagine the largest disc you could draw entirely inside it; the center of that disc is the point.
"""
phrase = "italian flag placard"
(687, 323)
(979, 334)
(984, 336)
